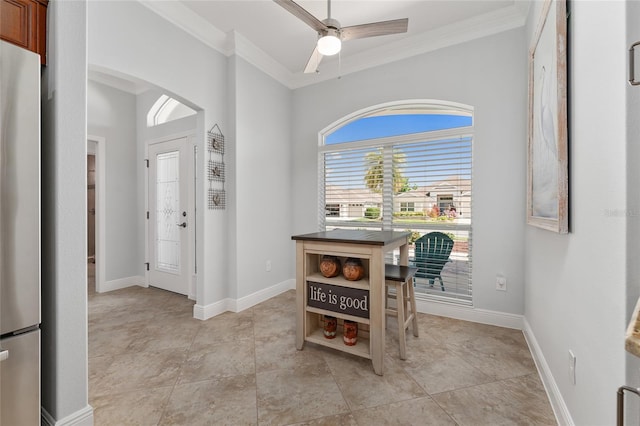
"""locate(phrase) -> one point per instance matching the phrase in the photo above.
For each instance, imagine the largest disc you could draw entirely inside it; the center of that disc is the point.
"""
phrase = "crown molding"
(229, 44)
(117, 80)
(235, 43)
(248, 51)
(189, 21)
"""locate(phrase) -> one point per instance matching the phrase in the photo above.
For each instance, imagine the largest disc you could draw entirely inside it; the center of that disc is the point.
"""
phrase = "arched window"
(404, 166)
(167, 109)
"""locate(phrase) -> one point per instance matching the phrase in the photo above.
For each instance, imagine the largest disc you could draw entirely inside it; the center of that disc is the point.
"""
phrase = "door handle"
(632, 71)
(183, 224)
(4, 355)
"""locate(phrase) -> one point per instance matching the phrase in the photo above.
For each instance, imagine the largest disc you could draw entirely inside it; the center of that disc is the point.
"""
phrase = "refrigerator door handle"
(4, 355)
(632, 80)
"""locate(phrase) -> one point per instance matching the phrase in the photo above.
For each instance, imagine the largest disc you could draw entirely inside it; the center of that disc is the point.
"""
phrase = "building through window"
(407, 207)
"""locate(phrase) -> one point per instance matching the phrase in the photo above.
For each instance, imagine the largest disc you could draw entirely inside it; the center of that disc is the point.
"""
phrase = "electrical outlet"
(501, 282)
(572, 367)
(268, 265)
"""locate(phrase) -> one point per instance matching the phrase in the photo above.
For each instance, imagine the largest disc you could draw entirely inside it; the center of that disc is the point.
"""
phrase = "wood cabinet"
(24, 23)
(318, 296)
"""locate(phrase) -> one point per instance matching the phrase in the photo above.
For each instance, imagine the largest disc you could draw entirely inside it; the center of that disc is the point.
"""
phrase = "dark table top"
(354, 236)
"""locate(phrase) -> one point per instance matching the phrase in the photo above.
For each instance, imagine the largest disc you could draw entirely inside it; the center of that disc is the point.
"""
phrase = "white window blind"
(438, 184)
(419, 183)
(347, 199)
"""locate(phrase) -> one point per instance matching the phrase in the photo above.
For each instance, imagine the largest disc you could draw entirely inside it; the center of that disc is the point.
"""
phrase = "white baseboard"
(262, 295)
(123, 283)
(82, 417)
(469, 313)
(237, 305)
(560, 409)
(204, 312)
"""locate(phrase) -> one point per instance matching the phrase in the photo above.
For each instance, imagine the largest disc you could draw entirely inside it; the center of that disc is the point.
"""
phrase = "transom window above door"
(167, 109)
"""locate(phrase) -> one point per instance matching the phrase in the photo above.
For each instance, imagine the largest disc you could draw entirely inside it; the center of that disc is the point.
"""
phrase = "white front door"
(168, 216)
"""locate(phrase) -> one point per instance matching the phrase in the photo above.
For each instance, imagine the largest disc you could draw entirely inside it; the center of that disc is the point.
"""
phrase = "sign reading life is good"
(345, 300)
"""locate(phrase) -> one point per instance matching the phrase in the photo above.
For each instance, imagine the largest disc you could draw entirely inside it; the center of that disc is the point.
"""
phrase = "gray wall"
(576, 283)
(261, 175)
(489, 74)
(111, 114)
(64, 229)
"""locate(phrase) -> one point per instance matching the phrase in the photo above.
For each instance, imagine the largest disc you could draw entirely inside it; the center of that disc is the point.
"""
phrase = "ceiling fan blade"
(302, 14)
(374, 29)
(313, 62)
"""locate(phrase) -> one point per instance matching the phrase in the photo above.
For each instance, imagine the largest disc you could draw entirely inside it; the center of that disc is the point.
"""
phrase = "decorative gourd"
(353, 269)
(330, 266)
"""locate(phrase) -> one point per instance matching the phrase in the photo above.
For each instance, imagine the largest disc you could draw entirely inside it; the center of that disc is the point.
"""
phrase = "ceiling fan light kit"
(330, 44)
(331, 34)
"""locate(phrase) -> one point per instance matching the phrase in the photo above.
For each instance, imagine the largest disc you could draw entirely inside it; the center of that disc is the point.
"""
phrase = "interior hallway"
(151, 363)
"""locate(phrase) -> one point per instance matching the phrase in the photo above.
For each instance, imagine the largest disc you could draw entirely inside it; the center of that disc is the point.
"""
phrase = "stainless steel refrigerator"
(19, 236)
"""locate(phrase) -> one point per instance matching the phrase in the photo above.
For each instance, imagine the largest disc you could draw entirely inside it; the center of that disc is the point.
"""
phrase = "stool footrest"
(408, 321)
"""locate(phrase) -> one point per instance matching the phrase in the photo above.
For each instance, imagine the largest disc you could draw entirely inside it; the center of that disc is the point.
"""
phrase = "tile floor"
(151, 363)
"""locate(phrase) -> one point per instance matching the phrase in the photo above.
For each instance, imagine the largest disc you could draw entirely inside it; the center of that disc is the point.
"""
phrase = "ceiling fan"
(331, 34)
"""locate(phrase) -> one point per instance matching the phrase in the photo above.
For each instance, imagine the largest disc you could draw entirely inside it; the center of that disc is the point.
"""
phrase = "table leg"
(300, 295)
(377, 311)
(404, 254)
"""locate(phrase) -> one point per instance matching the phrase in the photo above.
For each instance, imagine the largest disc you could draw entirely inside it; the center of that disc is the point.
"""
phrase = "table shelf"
(337, 315)
(362, 284)
(361, 348)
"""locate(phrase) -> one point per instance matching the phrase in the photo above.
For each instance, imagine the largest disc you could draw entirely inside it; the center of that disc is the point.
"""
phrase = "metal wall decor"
(217, 199)
(215, 140)
(216, 169)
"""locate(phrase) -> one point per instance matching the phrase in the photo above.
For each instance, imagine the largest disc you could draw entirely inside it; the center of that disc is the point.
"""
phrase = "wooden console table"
(361, 301)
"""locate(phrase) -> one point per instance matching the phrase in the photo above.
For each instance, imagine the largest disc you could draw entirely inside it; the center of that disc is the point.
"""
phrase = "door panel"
(168, 221)
(20, 384)
(19, 188)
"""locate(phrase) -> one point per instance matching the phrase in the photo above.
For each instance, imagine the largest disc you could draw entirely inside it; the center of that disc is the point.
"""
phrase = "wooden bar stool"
(401, 278)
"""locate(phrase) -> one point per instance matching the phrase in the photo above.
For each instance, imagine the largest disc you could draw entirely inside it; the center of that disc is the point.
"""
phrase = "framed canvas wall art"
(548, 180)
